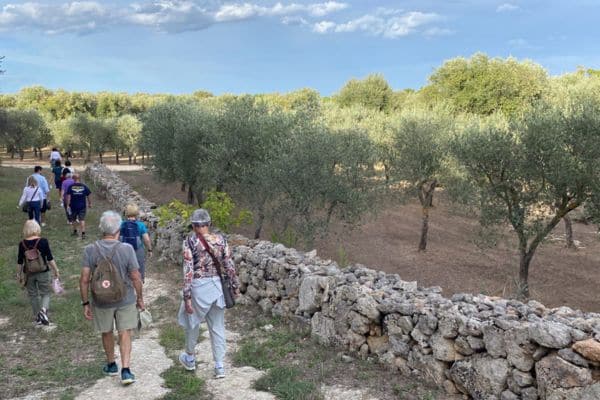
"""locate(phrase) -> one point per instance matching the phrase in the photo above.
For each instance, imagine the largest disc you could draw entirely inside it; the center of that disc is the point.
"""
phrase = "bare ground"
(388, 241)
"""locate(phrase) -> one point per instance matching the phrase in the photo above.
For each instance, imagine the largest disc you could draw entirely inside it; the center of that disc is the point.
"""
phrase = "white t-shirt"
(55, 155)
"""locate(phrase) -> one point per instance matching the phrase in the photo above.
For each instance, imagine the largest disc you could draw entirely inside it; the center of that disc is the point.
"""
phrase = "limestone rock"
(572, 357)
(550, 334)
(554, 373)
(322, 328)
(508, 395)
(378, 344)
(432, 369)
(494, 341)
(313, 291)
(482, 377)
(590, 349)
(367, 306)
(443, 349)
(523, 379)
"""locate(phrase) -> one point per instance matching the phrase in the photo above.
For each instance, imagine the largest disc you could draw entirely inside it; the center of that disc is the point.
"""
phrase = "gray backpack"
(107, 283)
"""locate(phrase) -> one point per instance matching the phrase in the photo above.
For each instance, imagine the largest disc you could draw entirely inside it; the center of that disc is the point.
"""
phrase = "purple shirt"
(66, 185)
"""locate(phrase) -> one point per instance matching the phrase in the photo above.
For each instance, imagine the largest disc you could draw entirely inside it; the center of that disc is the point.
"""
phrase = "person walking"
(135, 233)
(76, 197)
(54, 157)
(44, 188)
(57, 171)
(67, 181)
(121, 313)
(32, 196)
(203, 298)
(34, 262)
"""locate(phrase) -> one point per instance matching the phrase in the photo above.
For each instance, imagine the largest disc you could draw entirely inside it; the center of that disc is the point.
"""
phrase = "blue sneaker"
(219, 372)
(127, 378)
(188, 362)
(111, 369)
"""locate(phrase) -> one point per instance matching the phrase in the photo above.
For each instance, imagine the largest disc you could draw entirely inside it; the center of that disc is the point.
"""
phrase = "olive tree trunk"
(426, 190)
(569, 232)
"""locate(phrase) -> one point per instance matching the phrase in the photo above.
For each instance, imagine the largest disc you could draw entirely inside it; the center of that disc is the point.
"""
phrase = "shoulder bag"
(228, 290)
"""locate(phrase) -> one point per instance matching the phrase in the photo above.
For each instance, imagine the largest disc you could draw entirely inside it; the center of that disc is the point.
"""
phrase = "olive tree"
(321, 175)
(129, 129)
(22, 129)
(418, 152)
(181, 135)
(533, 172)
(372, 92)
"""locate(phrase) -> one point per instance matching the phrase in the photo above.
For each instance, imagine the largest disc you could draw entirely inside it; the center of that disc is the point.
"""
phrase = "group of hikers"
(113, 272)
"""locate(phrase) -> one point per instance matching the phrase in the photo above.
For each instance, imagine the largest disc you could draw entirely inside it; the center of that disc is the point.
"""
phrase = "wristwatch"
(85, 303)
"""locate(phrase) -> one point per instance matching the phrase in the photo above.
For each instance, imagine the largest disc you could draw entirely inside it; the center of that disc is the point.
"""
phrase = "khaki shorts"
(124, 318)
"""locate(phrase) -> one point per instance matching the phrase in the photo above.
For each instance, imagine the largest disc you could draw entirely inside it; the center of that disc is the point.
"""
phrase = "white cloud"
(294, 21)
(77, 16)
(385, 23)
(324, 26)
(164, 15)
(240, 11)
(175, 16)
(507, 7)
(169, 16)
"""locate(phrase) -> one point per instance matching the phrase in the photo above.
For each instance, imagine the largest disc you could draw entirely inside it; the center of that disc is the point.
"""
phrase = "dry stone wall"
(484, 347)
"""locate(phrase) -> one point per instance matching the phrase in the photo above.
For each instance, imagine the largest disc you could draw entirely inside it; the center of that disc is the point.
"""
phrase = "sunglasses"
(198, 225)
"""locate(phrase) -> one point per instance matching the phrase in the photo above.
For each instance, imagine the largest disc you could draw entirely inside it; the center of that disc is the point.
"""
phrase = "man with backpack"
(111, 273)
(135, 233)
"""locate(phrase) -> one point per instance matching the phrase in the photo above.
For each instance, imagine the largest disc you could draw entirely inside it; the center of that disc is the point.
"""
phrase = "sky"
(260, 46)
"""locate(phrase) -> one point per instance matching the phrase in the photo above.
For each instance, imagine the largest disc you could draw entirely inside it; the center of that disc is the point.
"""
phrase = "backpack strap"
(112, 252)
(34, 193)
(34, 246)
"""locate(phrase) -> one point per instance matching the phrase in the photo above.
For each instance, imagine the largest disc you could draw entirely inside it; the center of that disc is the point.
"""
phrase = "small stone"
(450, 387)
(550, 334)
(522, 379)
(529, 393)
(572, 357)
(553, 372)
(508, 395)
(590, 349)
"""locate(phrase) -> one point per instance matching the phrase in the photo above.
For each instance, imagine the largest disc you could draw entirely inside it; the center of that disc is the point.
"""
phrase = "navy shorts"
(78, 214)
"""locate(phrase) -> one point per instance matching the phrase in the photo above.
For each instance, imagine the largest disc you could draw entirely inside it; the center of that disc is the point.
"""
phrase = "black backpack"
(130, 233)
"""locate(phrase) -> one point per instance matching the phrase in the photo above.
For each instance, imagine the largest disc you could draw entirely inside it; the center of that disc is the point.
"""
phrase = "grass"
(172, 337)
(297, 366)
(183, 384)
(69, 356)
(267, 353)
(286, 384)
(271, 351)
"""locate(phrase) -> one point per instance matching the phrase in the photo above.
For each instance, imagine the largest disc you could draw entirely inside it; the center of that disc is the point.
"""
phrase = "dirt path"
(148, 361)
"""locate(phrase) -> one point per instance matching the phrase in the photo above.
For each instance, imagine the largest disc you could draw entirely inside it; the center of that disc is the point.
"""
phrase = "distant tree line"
(500, 136)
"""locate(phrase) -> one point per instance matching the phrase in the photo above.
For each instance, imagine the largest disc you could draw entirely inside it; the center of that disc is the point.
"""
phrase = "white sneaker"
(219, 372)
(189, 363)
(43, 224)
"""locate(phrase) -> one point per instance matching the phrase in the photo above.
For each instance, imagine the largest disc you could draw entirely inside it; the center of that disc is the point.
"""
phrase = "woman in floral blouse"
(202, 292)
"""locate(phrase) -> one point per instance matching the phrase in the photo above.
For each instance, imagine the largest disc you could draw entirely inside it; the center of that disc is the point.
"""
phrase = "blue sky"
(257, 46)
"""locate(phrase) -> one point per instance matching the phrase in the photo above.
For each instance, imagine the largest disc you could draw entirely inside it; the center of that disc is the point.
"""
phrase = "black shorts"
(78, 214)
(44, 206)
(58, 184)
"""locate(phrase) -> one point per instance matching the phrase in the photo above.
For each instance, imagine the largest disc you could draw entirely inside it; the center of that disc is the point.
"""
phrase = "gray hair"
(110, 223)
